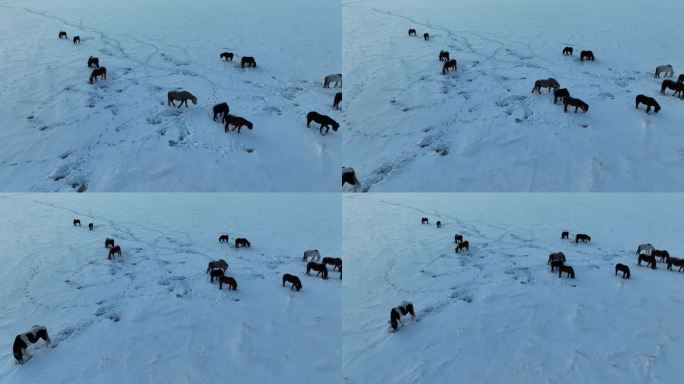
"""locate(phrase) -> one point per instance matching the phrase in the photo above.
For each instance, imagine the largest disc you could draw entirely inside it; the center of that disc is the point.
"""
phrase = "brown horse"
(98, 72)
(216, 274)
(463, 245)
(649, 259)
(663, 254)
(237, 122)
(319, 268)
(556, 256)
(587, 55)
(325, 122)
(222, 110)
(448, 65)
(296, 283)
(217, 264)
(624, 269)
(248, 61)
(648, 102)
(568, 270)
(114, 251)
(232, 283)
(336, 262)
(556, 264)
(676, 87)
(567, 51)
(226, 56)
(93, 62)
(577, 103)
(549, 83)
(109, 243)
(560, 94)
(183, 96)
(337, 100)
(677, 262)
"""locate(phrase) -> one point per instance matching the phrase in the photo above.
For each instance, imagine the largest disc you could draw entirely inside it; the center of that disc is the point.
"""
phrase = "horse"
(183, 96)
(449, 64)
(458, 238)
(577, 103)
(405, 308)
(296, 283)
(114, 251)
(217, 264)
(232, 283)
(439, 224)
(223, 238)
(556, 256)
(241, 241)
(556, 264)
(426, 36)
(109, 243)
(587, 55)
(97, 72)
(545, 83)
(565, 235)
(560, 94)
(222, 110)
(646, 247)
(320, 268)
(312, 253)
(336, 78)
(624, 269)
(90, 226)
(463, 245)
(336, 262)
(663, 254)
(248, 61)
(649, 259)
(226, 56)
(680, 79)
(337, 100)
(237, 122)
(677, 262)
(666, 70)
(443, 55)
(77, 40)
(676, 87)
(582, 237)
(412, 32)
(23, 340)
(648, 102)
(349, 177)
(62, 35)
(568, 270)
(77, 222)
(424, 220)
(567, 51)
(216, 274)
(323, 120)
(93, 62)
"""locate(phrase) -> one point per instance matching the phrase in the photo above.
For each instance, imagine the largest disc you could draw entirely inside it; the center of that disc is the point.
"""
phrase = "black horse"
(567, 51)
(412, 32)
(114, 251)
(582, 237)
(424, 220)
(320, 268)
(232, 283)
(649, 259)
(568, 270)
(336, 262)
(77, 222)
(349, 176)
(23, 340)
(624, 269)
(463, 245)
(62, 35)
(296, 283)
(93, 62)
(248, 61)
(555, 257)
(560, 94)
(325, 121)
(439, 224)
(337, 100)
(77, 40)
(577, 103)
(222, 110)
(565, 235)
(426, 36)
(224, 238)
(587, 55)
(443, 55)
(648, 102)
(677, 262)
(241, 241)
(677, 87)
(406, 308)
(109, 243)
(91, 226)
(216, 274)
(226, 56)
(663, 254)
(680, 79)
(458, 238)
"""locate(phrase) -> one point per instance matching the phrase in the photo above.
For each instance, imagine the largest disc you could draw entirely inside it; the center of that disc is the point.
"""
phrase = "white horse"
(665, 69)
(336, 78)
(647, 248)
(313, 254)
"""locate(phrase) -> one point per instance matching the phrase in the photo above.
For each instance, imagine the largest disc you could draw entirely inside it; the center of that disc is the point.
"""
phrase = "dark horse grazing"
(23, 340)
(97, 72)
(677, 262)
(77, 40)
(648, 102)
(412, 32)
(222, 110)
(649, 259)
(458, 238)
(216, 274)
(226, 56)
(426, 36)
(567, 51)
(565, 235)
(545, 83)
(232, 283)
(556, 260)
(237, 122)
(337, 100)
(624, 269)
(582, 237)
(443, 55)
(463, 245)
(90, 226)
(296, 283)
(109, 243)
(217, 264)
(325, 121)
(77, 222)
(114, 251)
(556, 264)
(241, 241)
(587, 55)
(406, 308)
(439, 224)
(62, 35)
(676, 87)
(568, 270)
(93, 62)
(424, 220)
(320, 268)
(663, 254)
(560, 94)
(223, 238)
(577, 103)
(449, 64)
(248, 61)
(336, 262)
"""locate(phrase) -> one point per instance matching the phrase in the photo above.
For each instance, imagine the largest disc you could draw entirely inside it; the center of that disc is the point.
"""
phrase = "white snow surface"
(62, 134)
(496, 314)
(151, 316)
(480, 129)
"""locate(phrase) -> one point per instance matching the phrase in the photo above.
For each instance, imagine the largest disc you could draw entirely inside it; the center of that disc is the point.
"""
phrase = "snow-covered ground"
(496, 314)
(480, 129)
(151, 316)
(62, 134)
